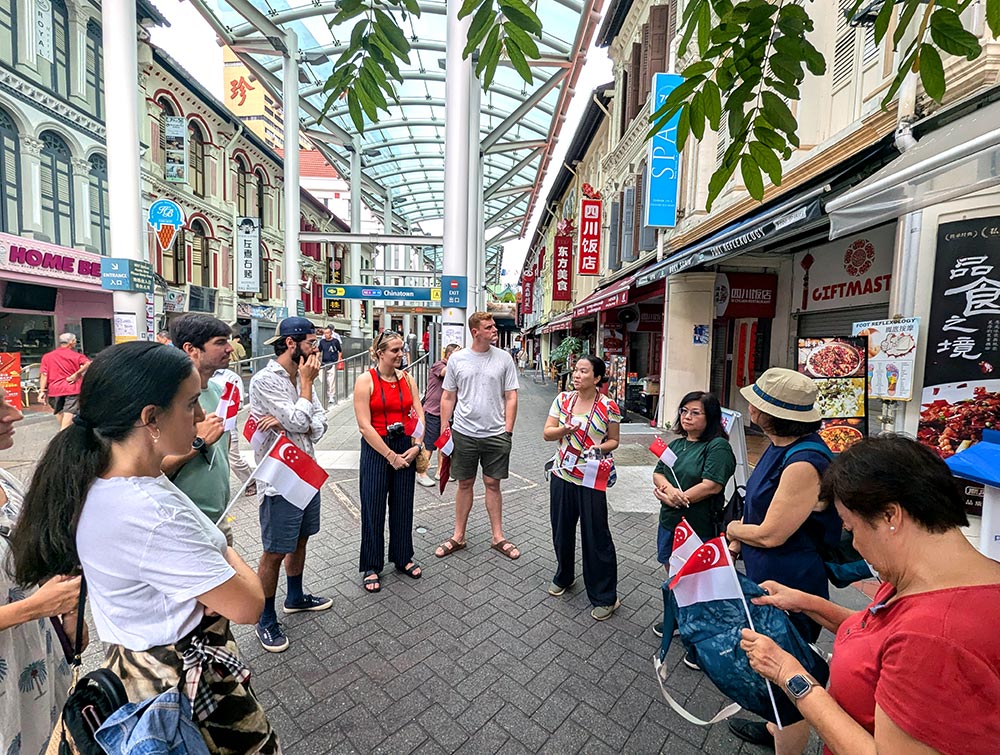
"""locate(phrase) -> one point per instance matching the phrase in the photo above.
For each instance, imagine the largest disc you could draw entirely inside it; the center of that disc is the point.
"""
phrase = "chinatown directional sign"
(392, 293)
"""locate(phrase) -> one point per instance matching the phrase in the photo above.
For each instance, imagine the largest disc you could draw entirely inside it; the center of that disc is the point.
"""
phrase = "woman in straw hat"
(783, 520)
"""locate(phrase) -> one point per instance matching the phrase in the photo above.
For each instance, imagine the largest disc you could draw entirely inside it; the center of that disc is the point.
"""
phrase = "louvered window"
(196, 159)
(95, 69)
(845, 55)
(8, 34)
(175, 261)
(614, 237)
(10, 175)
(260, 196)
(166, 109)
(201, 257)
(242, 188)
(57, 190)
(99, 223)
(721, 142)
(628, 220)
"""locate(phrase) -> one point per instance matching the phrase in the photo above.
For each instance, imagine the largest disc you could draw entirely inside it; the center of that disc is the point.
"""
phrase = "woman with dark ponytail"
(162, 582)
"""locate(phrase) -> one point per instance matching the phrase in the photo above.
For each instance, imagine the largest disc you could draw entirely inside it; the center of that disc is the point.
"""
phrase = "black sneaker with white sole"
(271, 637)
(690, 662)
(308, 603)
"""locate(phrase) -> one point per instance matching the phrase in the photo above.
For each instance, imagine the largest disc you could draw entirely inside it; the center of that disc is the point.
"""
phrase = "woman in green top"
(693, 487)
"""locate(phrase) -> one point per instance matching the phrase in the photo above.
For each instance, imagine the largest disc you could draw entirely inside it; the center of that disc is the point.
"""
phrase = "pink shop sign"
(37, 258)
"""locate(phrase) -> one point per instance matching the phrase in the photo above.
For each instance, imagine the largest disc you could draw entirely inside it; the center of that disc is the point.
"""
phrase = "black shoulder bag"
(92, 699)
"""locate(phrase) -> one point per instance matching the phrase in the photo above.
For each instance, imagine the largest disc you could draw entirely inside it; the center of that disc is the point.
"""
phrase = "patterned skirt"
(236, 722)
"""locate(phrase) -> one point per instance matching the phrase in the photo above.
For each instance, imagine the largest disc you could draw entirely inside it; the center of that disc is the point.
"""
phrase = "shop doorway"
(741, 349)
(96, 334)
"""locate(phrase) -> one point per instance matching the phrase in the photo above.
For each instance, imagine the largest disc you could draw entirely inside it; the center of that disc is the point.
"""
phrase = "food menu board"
(10, 377)
(892, 351)
(961, 392)
(839, 366)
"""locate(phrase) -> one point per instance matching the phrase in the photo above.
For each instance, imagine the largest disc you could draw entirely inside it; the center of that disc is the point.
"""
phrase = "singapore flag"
(707, 575)
(686, 542)
(229, 406)
(662, 452)
(445, 444)
(258, 438)
(596, 474)
(292, 472)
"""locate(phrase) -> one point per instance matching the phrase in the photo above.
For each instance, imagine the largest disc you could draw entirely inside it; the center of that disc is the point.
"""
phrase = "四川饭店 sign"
(589, 254)
(745, 295)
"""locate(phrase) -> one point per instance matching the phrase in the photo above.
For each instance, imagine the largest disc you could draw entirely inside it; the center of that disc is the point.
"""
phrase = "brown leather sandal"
(448, 547)
(507, 548)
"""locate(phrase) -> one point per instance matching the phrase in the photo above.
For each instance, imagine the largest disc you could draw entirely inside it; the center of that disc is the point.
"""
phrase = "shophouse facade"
(743, 283)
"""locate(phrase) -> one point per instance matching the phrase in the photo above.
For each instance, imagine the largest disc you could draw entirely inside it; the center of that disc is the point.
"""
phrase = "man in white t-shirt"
(479, 399)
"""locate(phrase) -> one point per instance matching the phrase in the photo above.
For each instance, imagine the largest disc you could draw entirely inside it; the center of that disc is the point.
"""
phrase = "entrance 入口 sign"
(126, 275)
(745, 295)
(855, 271)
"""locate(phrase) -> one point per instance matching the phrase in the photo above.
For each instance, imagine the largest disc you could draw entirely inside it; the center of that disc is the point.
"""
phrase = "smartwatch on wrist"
(799, 685)
(199, 446)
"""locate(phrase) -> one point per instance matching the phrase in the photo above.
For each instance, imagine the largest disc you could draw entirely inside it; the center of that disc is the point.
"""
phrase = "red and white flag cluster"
(596, 474)
(292, 472)
(258, 439)
(229, 406)
(707, 575)
(686, 542)
(662, 452)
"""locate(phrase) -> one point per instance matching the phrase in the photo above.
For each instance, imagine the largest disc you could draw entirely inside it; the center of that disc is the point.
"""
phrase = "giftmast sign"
(248, 255)
(852, 272)
(562, 285)
(589, 255)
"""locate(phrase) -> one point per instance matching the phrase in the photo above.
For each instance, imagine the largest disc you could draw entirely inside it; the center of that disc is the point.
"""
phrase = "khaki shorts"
(493, 453)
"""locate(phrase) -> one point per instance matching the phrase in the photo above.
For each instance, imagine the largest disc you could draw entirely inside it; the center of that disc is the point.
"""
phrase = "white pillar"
(121, 86)
(475, 201)
(355, 268)
(290, 140)
(458, 85)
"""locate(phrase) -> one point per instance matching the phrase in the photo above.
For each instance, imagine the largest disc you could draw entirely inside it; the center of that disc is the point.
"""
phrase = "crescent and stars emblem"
(681, 535)
(710, 554)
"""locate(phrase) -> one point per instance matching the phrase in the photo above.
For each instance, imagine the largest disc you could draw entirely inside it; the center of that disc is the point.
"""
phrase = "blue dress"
(795, 563)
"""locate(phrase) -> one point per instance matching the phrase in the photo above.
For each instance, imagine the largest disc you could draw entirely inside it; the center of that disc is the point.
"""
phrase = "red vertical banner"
(589, 258)
(562, 269)
(528, 294)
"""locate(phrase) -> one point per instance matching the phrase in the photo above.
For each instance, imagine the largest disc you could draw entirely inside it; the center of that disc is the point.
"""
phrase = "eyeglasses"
(691, 413)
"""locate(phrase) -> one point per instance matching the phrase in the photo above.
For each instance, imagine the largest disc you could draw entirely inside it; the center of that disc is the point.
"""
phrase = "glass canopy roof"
(403, 152)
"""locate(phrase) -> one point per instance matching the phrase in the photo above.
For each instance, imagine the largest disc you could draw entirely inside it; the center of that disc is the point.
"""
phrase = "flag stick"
(239, 492)
(746, 608)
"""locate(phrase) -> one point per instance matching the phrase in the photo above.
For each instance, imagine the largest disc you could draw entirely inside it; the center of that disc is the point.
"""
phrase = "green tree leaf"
(931, 71)
(696, 115)
(752, 178)
(882, 21)
(468, 7)
(479, 27)
(949, 34)
(490, 51)
(777, 113)
(712, 101)
(522, 15)
(524, 41)
(993, 16)
(354, 108)
(768, 161)
(517, 59)
(718, 182)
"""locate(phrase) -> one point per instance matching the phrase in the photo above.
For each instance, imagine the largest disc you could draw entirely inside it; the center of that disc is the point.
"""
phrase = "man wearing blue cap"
(282, 399)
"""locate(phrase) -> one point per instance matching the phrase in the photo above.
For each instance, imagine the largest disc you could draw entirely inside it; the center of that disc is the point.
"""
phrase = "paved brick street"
(476, 656)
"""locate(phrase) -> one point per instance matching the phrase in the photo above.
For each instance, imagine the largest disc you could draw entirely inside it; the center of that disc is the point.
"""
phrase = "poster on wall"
(10, 378)
(175, 148)
(617, 380)
(851, 272)
(839, 366)
(961, 393)
(892, 352)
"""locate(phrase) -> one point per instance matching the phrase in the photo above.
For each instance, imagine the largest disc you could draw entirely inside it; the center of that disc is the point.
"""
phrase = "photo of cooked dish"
(840, 437)
(833, 360)
(949, 426)
(841, 397)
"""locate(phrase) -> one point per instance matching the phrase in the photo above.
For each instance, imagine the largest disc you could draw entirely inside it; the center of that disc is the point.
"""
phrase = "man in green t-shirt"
(203, 472)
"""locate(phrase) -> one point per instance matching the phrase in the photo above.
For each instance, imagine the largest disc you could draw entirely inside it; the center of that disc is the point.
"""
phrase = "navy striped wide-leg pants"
(381, 483)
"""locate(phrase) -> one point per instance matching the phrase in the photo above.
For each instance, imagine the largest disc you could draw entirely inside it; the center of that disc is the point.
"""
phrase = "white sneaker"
(424, 480)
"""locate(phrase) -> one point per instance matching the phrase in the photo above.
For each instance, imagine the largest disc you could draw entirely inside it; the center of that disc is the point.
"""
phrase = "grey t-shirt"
(480, 379)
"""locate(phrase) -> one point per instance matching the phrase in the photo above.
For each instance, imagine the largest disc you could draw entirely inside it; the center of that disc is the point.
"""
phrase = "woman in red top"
(391, 422)
(918, 671)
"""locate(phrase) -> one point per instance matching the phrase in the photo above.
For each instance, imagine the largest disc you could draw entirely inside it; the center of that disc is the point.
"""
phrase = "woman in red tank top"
(391, 421)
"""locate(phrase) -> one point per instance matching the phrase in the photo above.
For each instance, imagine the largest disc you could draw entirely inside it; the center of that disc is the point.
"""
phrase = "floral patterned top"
(34, 674)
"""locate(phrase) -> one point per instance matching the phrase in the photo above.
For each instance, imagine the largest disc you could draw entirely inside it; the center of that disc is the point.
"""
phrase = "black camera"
(395, 430)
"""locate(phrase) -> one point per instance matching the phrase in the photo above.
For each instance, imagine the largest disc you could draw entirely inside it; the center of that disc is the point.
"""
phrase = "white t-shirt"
(147, 553)
(480, 379)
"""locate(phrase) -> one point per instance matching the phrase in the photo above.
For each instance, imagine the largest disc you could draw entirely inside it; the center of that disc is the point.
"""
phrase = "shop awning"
(958, 159)
(610, 297)
(563, 322)
(791, 217)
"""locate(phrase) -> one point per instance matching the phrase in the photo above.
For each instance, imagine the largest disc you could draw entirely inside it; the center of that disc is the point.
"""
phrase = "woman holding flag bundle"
(918, 671)
(692, 485)
(391, 422)
(586, 425)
